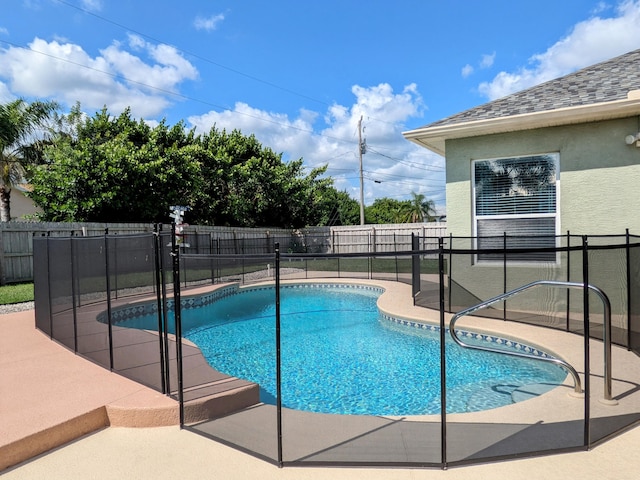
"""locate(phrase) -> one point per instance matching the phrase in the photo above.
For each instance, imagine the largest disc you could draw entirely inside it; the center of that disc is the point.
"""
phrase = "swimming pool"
(340, 355)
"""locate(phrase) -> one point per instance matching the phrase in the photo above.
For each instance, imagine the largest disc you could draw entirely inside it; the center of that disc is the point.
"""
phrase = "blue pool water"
(339, 355)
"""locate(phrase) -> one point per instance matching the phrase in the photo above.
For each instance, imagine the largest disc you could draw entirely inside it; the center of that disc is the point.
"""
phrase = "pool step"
(218, 399)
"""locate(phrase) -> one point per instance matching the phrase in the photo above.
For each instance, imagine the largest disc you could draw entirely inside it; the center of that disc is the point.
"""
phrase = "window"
(517, 197)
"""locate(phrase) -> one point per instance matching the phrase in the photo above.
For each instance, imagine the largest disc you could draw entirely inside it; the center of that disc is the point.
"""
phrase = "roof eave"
(434, 138)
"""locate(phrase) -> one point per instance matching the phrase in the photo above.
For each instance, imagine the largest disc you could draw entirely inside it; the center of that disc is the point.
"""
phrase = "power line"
(172, 93)
(406, 162)
(204, 59)
(187, 52)
(389, 175)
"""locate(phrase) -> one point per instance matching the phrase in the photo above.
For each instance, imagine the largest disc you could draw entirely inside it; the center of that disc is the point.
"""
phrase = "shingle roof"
(603, 82)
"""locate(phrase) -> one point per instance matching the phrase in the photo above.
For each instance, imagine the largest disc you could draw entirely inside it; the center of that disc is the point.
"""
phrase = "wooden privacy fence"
(16, 242)
(16, 239)
(384, 238)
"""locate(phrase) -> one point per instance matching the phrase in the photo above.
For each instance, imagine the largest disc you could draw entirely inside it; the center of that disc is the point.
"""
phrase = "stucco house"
(561, 156)
(22, 207)
(579, 123)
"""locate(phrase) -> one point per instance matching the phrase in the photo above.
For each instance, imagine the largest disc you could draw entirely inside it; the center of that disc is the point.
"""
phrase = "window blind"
(515, 186)
(520, 233)
(516, 197)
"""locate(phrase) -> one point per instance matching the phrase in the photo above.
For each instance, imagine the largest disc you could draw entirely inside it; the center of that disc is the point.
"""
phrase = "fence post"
(74, 292)
(587, 334)
(49, 270)
(177, 313)
(108, 281)
(278, 358)
(3, 279)
(450, 269)
(443, 362)
(415, 267)
(161, 325)
(568, 328)
(374, 236)
(628, 256)
(504, 274)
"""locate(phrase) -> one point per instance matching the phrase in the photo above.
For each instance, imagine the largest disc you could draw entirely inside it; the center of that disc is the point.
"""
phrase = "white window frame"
(556, 158)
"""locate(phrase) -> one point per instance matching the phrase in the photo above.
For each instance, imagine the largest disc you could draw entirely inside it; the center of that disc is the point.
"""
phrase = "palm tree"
(19, 144)
(419, 210)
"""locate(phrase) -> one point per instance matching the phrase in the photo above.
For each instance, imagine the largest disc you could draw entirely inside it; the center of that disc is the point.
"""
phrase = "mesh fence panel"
(634, 288)
(403, 268)
(316, 357)
(131, 265)
(543, 305)
(609, 261)
(550, 409)
(41, 284)
(61, 291)
(216, 404)
(468, 285)
(90, 269)
(90, 258)
(608, 271)
(137, 353)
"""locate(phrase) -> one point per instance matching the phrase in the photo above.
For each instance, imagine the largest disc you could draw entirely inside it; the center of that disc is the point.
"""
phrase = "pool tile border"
(127, 312)
(512, 344)
(124, 313)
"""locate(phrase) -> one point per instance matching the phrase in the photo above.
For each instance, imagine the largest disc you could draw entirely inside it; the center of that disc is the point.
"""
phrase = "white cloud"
(600, 7)
(170, 68)
(589, 42)
(5, 94)
(136, 42)
(208, 23)
(487, 60)
(115, 78)
(92, 5)
(4, 31)
(400, 166)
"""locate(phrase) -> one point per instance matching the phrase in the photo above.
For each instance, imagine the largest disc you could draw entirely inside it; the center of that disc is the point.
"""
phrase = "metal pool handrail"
(606, 337)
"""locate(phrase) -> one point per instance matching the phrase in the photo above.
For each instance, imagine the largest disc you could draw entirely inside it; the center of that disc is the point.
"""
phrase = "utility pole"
(362, 149)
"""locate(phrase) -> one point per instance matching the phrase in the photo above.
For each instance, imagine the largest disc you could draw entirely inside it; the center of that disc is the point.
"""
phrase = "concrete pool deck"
(51, 396)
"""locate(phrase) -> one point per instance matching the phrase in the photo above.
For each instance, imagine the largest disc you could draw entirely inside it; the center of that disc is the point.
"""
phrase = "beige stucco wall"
(599, 174)
(599, 193)
(21, 206)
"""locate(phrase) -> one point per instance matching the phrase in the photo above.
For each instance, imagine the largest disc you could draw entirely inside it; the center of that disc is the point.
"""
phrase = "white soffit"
(433, 138)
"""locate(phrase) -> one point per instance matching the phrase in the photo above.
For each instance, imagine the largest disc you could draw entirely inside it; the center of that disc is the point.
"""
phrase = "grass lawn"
(22, 292)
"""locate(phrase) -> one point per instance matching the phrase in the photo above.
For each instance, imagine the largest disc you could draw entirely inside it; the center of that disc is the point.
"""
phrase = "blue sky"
(299, 75)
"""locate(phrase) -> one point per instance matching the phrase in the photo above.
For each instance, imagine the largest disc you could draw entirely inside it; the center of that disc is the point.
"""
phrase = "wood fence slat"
(16, 239)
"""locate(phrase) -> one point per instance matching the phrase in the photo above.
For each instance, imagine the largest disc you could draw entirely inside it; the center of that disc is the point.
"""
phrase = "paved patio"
(52, 397)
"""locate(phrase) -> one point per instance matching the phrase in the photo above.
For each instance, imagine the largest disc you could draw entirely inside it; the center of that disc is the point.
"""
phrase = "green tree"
(21, 138)
(116, 169)
(336, 208)
(385, 210)
(246, 184)
(112, 169)
(418, 210)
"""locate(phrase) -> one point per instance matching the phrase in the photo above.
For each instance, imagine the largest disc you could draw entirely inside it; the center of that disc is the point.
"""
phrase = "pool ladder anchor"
(606, 337)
